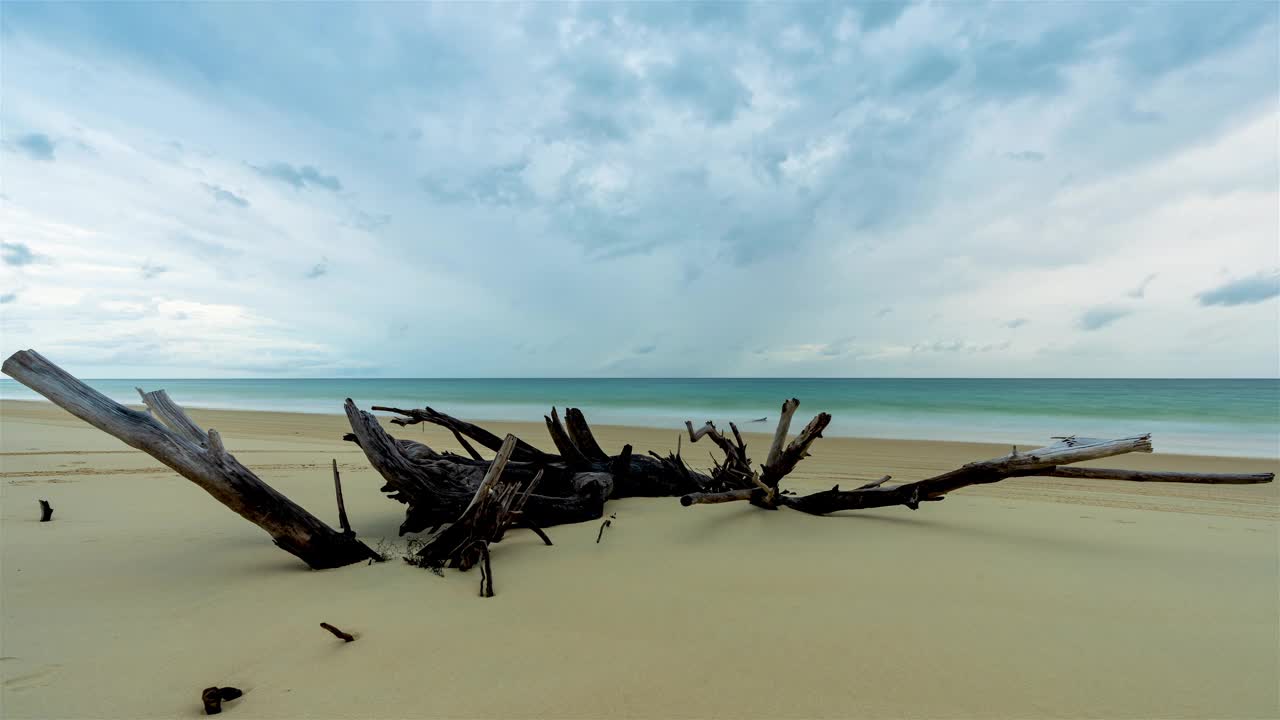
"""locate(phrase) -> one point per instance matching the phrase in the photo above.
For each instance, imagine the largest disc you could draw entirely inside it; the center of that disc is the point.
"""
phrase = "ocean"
(1208, 417)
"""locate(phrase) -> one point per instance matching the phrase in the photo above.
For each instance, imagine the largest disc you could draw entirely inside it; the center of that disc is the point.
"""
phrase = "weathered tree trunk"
(438, 486)
(195, 455)
(578, 480)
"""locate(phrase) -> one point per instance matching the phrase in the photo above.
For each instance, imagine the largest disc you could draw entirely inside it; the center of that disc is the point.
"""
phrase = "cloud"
(37, 146)
(959, 346)
(300, 177)
(225, 196)
(883, 311)
(1100, 317)
(1016, 323)
(1028, 156)
(498, 185)
(370, 221)
(16, 254)
(645, 349)
(151, 270)
(8, 297)
(320, 269)
(1140, 291)
(706, 85)
(1243, 291)
(876, 15)
(927, 72)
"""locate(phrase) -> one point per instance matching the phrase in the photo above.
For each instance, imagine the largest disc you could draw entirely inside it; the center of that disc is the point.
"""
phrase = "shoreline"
(1190, 416)
(534, 431)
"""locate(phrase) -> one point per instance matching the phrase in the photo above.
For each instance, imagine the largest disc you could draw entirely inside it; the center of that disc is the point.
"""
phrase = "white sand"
(1031, 598)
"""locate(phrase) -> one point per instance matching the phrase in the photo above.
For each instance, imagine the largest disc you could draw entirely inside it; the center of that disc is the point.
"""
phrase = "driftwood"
(581, 476)
(608, 521)
(196, 455)
(468, 502)
(213, 697)
(1092, 473)
(46, 511)
(574, 486)
(495, 507)
(343, 522)
(1047, 460)
(343, 636)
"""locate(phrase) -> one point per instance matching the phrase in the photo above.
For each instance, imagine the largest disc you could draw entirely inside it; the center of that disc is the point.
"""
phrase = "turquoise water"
(1223, 417)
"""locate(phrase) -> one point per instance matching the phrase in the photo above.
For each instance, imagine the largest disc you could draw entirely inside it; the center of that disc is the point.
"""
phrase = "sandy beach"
(1035, 597)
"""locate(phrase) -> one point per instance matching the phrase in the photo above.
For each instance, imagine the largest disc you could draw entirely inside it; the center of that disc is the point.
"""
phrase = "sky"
(642, 190)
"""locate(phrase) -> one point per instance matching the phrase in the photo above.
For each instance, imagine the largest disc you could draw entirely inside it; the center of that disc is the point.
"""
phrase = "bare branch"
(168, 412)
(796, 451)
(1093, 473)
(780, 434)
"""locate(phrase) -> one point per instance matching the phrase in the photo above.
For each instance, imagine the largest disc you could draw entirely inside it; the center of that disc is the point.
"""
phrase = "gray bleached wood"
(780, 434)
(208, 465)
(1092, 473)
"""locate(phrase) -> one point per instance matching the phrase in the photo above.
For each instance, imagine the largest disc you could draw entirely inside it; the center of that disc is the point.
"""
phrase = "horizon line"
(689, 377)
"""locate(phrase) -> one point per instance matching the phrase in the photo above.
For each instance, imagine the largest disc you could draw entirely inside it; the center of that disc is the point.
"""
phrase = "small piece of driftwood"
(213, 697)
(604, 525)
(46, 511)
(344, 636)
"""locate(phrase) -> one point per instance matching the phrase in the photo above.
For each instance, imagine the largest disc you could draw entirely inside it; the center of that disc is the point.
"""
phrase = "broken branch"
(345, 637)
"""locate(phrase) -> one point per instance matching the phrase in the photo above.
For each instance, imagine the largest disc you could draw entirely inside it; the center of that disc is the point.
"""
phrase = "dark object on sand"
(604, 525)
(470, 502)
(345, 637)
(761, 419)
(46, 511)
(213, 697)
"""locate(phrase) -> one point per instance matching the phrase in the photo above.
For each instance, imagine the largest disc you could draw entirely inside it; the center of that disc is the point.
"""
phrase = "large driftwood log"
(575, 484)
(196, 455)
(581, 477)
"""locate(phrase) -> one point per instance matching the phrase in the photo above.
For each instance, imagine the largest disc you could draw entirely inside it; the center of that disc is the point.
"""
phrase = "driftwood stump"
(497, 505)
